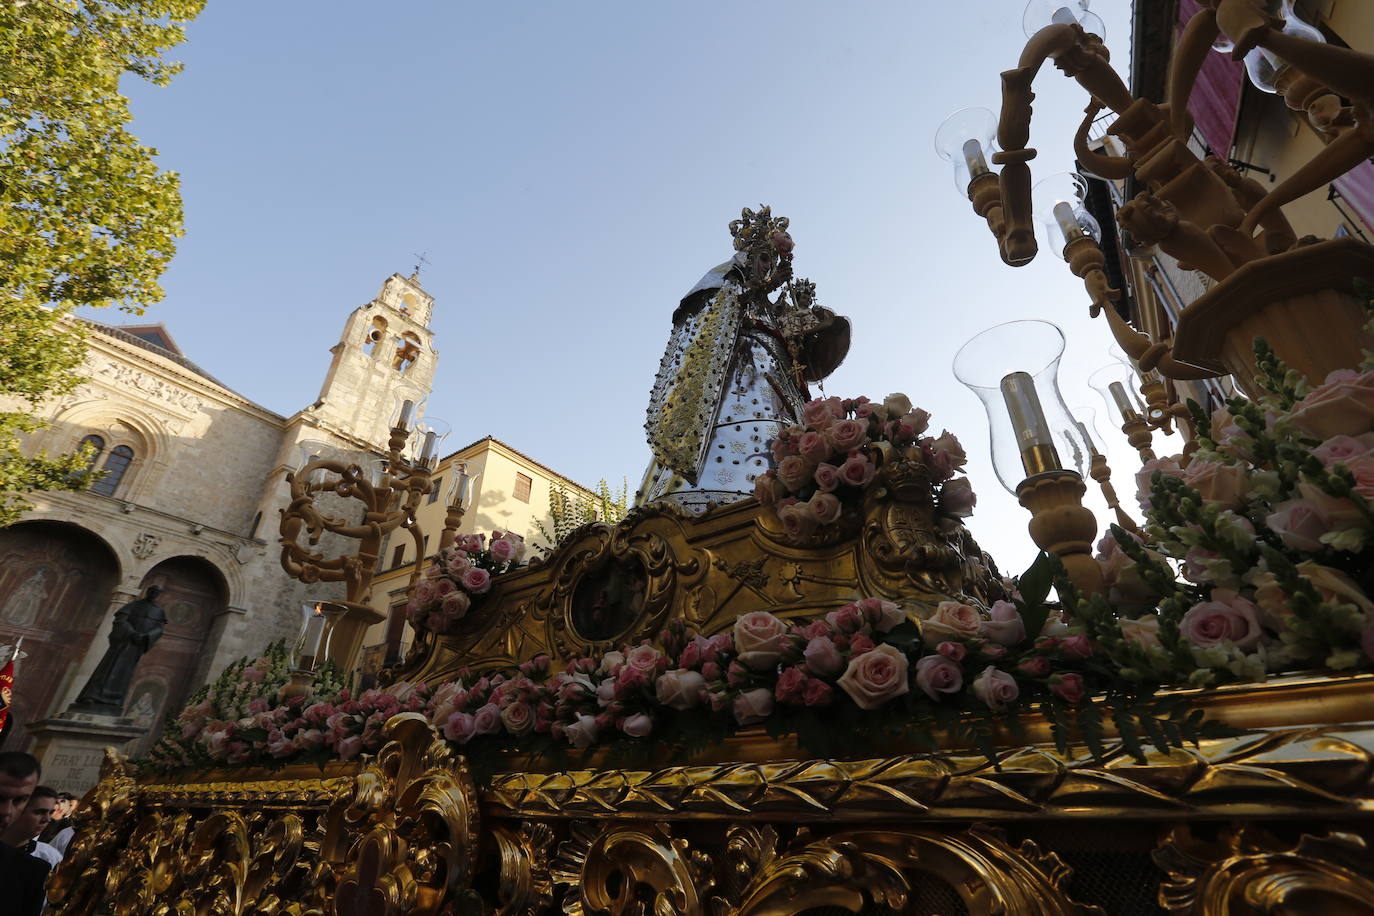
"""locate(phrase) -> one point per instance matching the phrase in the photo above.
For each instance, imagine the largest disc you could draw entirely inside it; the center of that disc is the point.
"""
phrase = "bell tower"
(386, 352)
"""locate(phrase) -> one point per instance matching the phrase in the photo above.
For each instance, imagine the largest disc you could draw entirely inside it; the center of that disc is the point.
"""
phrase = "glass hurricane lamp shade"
(1013, 368)
(309, 450)
(318, 619)
(1264, 66)
(1116, 383)
(1085, 423)
(1059, 203)
(429, 436)
(967, 139)
(405, 406)
(1041, 13)
(459, 487)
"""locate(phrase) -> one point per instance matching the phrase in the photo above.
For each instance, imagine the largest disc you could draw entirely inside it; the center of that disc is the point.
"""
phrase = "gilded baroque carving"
(1247, 870)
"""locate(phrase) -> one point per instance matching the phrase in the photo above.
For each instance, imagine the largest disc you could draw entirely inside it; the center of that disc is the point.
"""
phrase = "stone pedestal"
(71, 746)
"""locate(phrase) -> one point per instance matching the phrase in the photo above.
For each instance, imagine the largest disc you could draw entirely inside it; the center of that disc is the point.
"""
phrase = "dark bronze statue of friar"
(137, 625)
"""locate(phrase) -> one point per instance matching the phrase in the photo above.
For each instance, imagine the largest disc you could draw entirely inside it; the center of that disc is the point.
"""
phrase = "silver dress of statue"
(137, 625)
(734, 372)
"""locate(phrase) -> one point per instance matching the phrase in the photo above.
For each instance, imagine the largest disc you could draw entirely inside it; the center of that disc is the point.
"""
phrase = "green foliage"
(86, 217)
(571, 511)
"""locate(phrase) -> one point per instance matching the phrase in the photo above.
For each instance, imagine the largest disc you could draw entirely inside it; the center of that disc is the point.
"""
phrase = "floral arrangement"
(247, 698)
(821, 469)
(1270, 524)
(872, 663)
(457, 576)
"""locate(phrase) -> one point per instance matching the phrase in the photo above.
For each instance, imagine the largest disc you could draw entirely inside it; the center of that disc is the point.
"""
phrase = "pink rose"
(847, 434)
(487, 720)
(1340, 513)
(1344, 449)
(827, 477)
(679, 688)
(898, 404)
(1220, 484)
(794, 471)
(857, 471)
(477, 581)
(753, 706)
(581, 732)
(502, 551)
(954, 651)
(459, 563)
(936, 674)
(349, 747)
(825, 507)
(791, 686)
(822, 657)
(860, 643)
(443, 587)
(1167, 466)
(819, 414)
(767, 489)
(798, 521)
(456, 604)
(847, 619)
(1362, 469)
(1069, 688)
(1121, 575)
(1034, 667)
(917, 420)
(875, 677)
(758, 639)
(460, 727)
(813, 447)
(818, 693)
(518, 718)
(1143, 631)
(638, 725)
(1298, 524)
(1006, 627)
(644, 659)
(996, 689)
(946, 454)
(1342, 405)
(1076, 646)
(882, 615)
(1226, 618)
(424, 591)
(957, 498)
(953, 620)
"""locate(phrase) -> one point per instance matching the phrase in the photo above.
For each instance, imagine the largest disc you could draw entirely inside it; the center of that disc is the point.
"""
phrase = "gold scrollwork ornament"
(631, 869)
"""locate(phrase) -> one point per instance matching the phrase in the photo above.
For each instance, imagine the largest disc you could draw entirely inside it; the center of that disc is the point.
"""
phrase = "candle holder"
(390, 492)
(318, 620)
(1098, 469)
(457, 504)
(1030, 429)
(1115, 382)
(966, 139)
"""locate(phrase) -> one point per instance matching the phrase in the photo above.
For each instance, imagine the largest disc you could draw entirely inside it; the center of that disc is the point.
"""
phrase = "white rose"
(582, 733)
(758, 639)
(753, 706)
(679, 688)
(610, 662)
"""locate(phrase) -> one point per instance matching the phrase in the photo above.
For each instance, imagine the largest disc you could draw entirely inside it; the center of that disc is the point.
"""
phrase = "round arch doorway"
(56, 583)
(193, 594)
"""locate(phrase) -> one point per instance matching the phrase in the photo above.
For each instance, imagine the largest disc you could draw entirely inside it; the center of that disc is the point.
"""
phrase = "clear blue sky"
(570, 169)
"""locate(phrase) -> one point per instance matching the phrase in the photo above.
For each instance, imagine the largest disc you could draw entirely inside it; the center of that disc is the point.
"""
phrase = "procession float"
(790, 681)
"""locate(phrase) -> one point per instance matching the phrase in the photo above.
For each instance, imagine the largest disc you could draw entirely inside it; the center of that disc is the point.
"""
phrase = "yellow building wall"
(492, 468)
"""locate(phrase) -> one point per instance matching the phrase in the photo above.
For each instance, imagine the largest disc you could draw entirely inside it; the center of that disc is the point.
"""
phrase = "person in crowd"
(59, 831)
(24, 831)
(22, 876)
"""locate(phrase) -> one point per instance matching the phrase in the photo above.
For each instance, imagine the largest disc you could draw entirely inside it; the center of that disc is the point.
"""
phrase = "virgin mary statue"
(735, 371)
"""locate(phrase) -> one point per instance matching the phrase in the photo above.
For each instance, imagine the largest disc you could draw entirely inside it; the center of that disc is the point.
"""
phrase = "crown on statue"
(766, 246)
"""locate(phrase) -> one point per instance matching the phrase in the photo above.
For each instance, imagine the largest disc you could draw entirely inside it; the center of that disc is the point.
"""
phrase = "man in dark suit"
(21, 875)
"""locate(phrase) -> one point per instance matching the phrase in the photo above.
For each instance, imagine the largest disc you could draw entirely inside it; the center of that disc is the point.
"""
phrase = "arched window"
(97, 445)
(115, 467)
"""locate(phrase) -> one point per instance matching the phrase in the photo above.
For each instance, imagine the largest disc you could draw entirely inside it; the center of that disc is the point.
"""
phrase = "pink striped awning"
(1357, 187)
(1216, 94)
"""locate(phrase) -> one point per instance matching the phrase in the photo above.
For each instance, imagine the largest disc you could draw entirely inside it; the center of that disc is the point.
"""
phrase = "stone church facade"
(194, 481)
